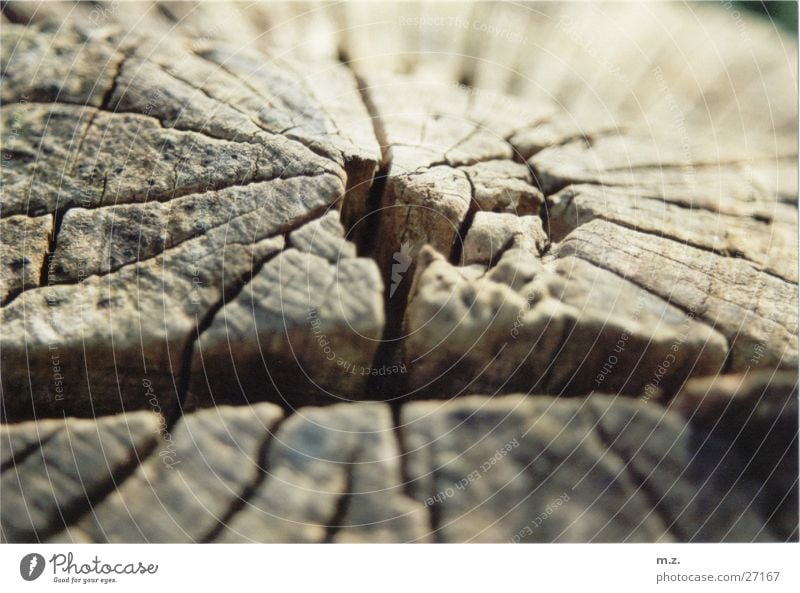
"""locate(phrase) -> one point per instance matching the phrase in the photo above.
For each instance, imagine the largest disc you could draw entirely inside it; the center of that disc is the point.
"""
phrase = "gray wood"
(429, 272)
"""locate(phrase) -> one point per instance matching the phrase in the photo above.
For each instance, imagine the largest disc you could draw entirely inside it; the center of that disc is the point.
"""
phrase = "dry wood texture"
(397, 272)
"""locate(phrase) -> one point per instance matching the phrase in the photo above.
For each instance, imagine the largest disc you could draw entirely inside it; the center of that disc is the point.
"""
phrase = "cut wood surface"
(397, 272)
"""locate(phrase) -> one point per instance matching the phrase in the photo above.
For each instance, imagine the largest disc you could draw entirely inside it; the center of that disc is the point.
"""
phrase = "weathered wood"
(177, 178)
(305, 328)
(563, 327)
(542, 470)
(577, 224)
(58, 468)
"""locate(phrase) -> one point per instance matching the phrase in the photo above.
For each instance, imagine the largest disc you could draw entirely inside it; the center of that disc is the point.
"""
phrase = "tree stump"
(397, 273)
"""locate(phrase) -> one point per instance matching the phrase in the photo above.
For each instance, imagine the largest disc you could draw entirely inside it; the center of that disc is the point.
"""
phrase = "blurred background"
(783, 13)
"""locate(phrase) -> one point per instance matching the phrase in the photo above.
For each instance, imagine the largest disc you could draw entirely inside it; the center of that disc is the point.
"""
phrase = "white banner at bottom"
(399, 568)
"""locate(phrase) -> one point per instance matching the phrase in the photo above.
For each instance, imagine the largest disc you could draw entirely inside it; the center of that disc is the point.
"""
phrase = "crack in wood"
(337, 521)
(262, 473)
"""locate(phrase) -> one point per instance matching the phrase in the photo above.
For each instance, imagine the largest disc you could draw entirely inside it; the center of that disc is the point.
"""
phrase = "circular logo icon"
(31, 566)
